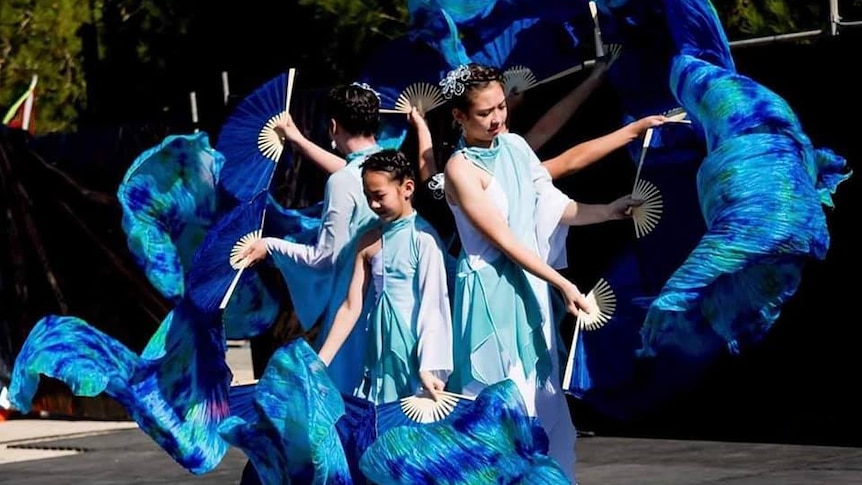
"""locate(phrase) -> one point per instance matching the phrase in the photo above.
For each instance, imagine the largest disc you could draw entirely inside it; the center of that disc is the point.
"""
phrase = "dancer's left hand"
(254, 253)
(622, 207)
(431, 383)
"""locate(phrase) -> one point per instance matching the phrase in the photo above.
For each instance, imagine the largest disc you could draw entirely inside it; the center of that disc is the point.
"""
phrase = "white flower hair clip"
(366, 87)
(437, 184)
(453, 84)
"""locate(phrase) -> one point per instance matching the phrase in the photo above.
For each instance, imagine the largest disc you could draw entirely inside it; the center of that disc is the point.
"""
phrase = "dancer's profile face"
(486, 114)
(387, 196)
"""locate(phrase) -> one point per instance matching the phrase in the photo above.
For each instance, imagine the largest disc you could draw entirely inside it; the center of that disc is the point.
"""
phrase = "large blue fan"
(298, 225)
(364, 421)
(218, 275)
(404, 71)
(490, 440)
(249, 141)
(530, 52)
(485, 19)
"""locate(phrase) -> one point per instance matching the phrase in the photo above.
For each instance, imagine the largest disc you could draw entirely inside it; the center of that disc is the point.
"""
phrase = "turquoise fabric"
(176, 390)
(318, 292)
(392, 363)
(497, 318)
(291, 437)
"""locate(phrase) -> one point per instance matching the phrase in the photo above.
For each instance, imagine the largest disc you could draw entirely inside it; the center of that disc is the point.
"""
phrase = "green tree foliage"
(754, 18)
(361, 26)
(112, 61)
(41, 37)
(124, 60)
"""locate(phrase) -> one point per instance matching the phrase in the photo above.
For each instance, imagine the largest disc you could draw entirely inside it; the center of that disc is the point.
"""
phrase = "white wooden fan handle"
(570, 363)
(644, 148)
(291, 74)
(262, 219)
(230, 289)
(459, 396)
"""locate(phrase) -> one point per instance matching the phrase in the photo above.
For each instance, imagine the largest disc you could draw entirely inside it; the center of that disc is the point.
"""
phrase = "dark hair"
(355, 108)
(479, 78)
(391, 161)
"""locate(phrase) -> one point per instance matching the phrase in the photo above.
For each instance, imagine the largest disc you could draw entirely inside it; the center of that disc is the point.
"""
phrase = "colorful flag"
(22, 113)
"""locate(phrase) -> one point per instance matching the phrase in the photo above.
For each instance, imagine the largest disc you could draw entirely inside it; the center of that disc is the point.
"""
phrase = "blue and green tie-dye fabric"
(169, 201)
(762, 190)
(176, 390)
(292, 437)
(493, 441)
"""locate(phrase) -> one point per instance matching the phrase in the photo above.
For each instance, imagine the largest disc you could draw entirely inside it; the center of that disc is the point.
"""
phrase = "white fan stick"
(225, 87)
(424, 409)
(604, 302)
(647, 215)
(597, 31)
(644, 148)
(570, 363)
(229, 292)
(291, 73)
(676, 115)
(239, 262)
(193, 101)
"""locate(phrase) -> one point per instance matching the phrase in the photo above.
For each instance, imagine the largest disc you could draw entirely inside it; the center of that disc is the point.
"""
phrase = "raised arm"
(464, 188)
(583, 154)
(427, 164)
(562, 111)
(325, 159)
(350, 310)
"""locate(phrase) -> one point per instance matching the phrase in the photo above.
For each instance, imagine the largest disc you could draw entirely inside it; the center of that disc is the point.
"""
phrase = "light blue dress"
(504, 327)
(410, 326)
(318, 275)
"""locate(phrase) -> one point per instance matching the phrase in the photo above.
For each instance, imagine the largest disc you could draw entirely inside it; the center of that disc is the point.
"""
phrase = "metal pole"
(224, 87)
(834, 17)
(194, 102)
(775, 38)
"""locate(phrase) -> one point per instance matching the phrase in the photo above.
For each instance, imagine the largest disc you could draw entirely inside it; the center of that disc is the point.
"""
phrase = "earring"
(332, 144)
